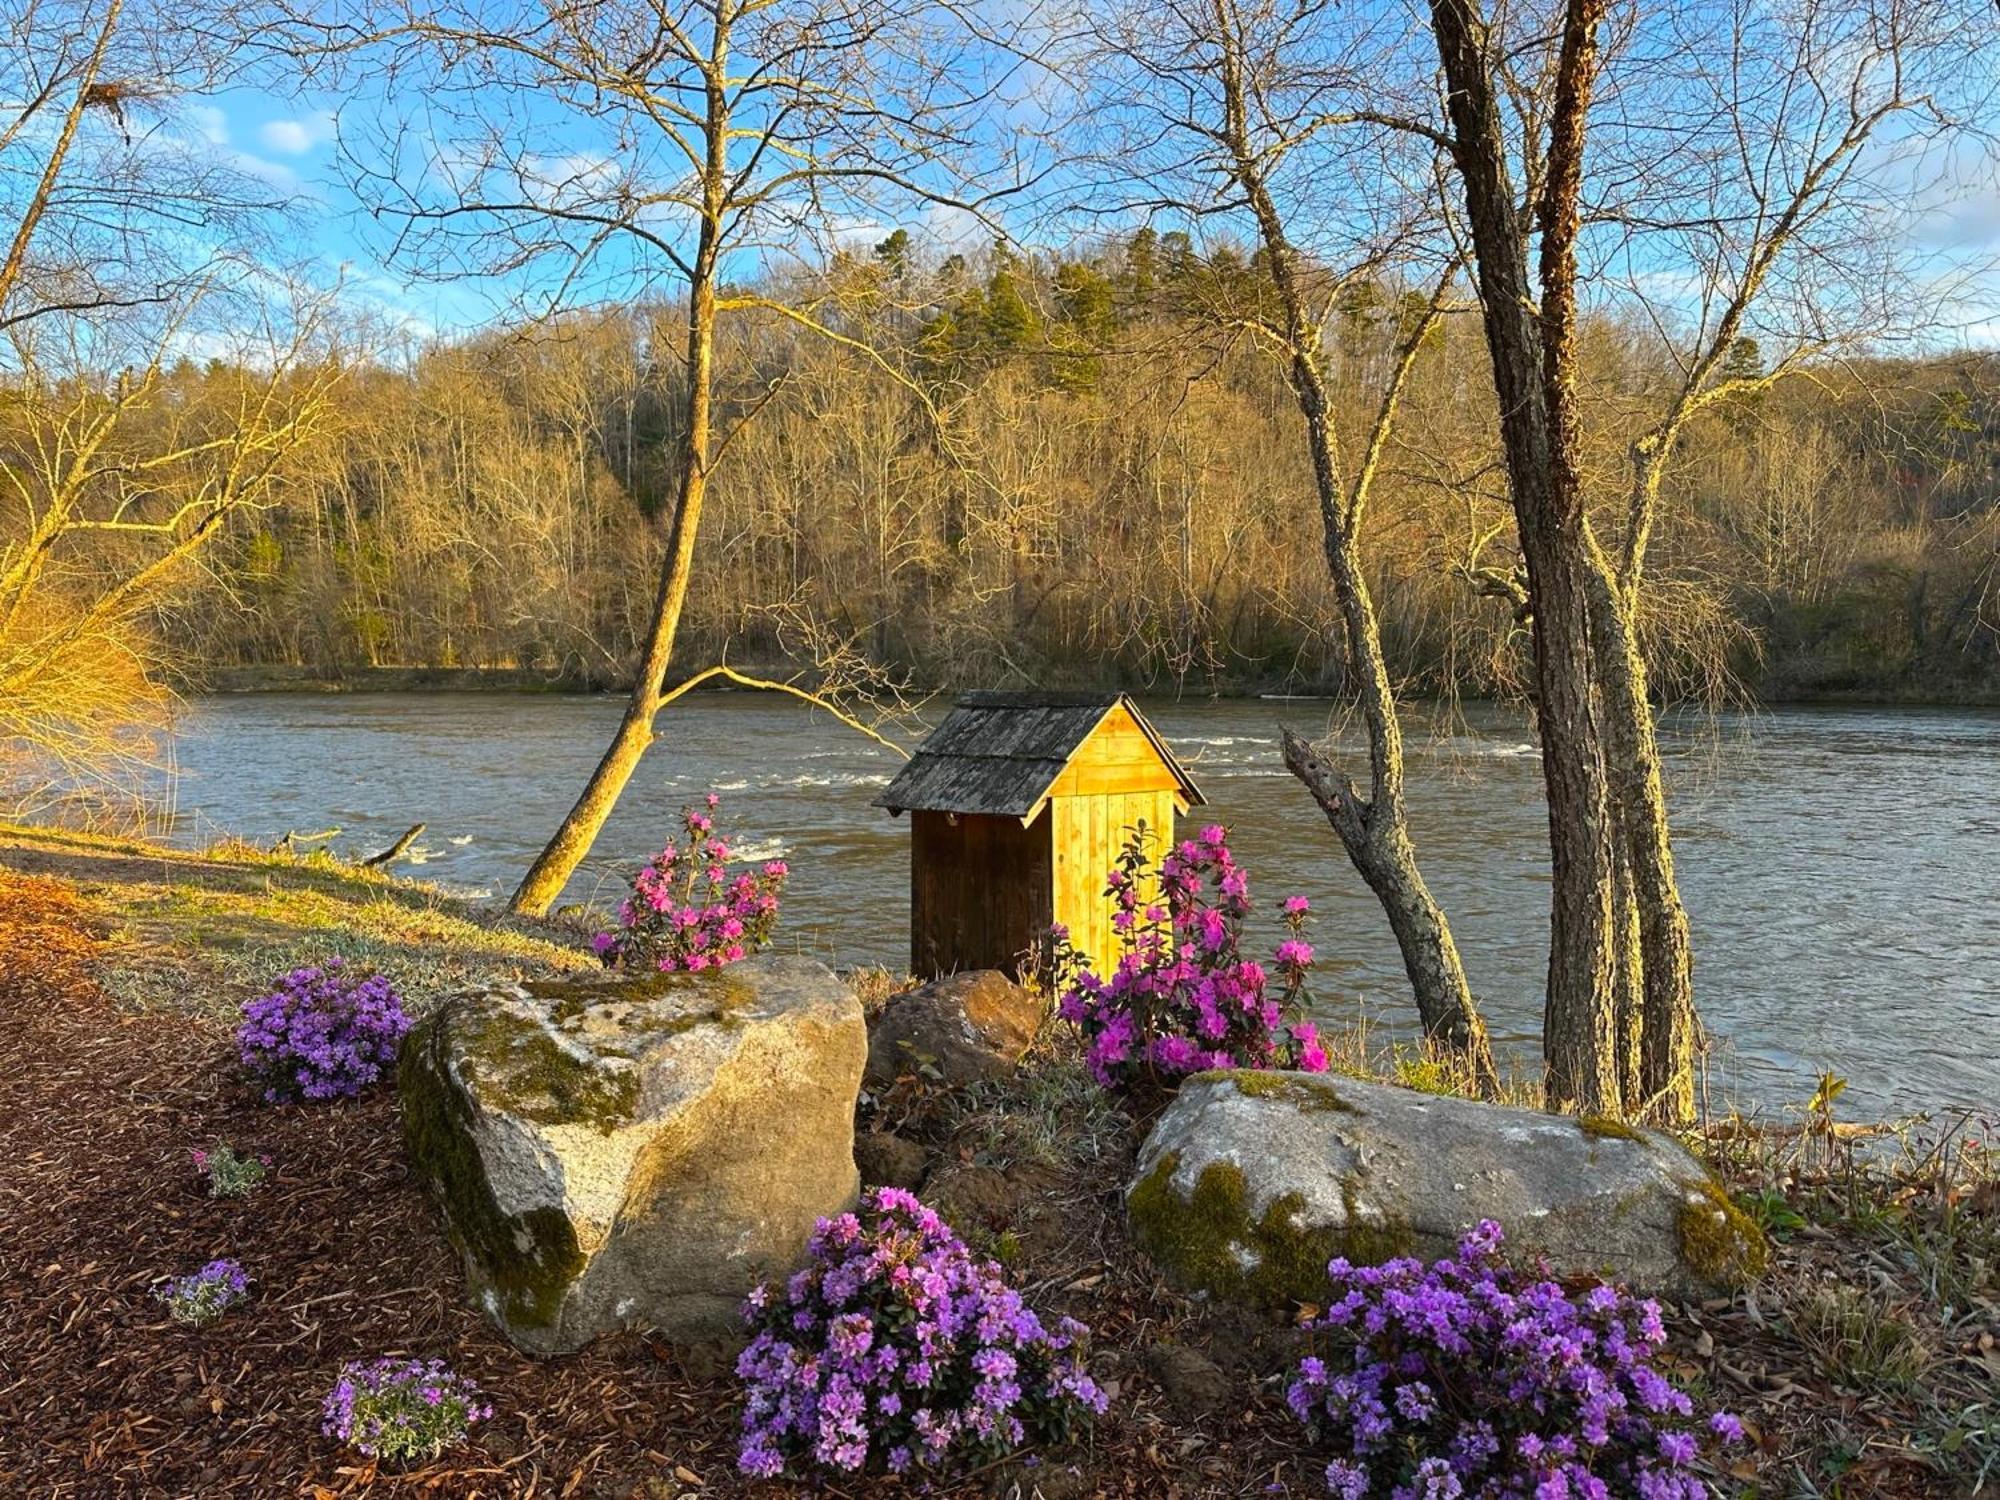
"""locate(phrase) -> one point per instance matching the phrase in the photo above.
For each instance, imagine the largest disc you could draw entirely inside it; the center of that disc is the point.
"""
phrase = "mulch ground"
(102, 1395)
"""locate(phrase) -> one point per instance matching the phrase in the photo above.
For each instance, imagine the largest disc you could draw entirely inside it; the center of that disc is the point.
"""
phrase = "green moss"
(1210, 1241)
(526, 1071)
(1370, 1242)
(1311, 1095)
(1718, 1240)
(1605, 1127)
(528, 1260)
(1426, 1075)
(720, 992)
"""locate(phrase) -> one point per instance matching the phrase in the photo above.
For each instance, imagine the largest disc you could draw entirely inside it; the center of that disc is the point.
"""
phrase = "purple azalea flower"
(897, 1348)
(1464, 1378)
(321, 1033)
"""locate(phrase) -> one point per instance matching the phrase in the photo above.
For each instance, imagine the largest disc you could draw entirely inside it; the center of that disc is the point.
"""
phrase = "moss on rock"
(1607, 1128)
(1311, 1094)
(1210, 1240)
(718, 992)
(526, 1070)
(1718, 1240)
(527, 1261)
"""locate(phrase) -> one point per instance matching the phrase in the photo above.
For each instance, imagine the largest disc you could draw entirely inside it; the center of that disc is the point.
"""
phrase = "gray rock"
(963, 1028)
(1250, 1182)
(614, 1152)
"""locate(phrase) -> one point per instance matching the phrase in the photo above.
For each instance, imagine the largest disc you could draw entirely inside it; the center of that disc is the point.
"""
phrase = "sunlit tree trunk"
(1658, 945)
(1373, 829)
(572, 841)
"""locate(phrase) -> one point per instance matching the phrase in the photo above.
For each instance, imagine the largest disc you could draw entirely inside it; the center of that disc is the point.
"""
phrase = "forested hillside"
(1054, 468)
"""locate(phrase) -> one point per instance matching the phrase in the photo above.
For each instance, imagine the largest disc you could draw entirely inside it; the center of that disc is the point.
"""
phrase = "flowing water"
(1841, 866)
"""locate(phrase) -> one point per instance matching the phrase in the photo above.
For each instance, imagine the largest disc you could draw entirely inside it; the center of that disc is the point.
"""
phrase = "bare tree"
(115, 485)
(1777, 222)
(701, 145)
(1531, 334)
(1218, 109)
(110, 200)
(117, 226)
(1756, 204)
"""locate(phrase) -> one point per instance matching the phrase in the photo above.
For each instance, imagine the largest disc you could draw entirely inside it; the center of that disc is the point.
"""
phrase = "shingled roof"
(1000, 752)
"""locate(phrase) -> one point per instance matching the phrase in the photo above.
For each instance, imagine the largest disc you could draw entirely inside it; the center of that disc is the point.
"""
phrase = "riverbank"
(1796, 690)
(1865, 1361)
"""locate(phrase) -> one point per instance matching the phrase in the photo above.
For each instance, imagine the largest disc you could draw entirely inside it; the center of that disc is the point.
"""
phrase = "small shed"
(1019, 806)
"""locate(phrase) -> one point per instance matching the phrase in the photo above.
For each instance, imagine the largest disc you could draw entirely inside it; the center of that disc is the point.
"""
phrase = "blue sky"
(328, 236)
(293, 145)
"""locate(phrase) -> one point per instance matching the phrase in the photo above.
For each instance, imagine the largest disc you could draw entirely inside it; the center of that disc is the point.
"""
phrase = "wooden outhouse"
(1020, 804)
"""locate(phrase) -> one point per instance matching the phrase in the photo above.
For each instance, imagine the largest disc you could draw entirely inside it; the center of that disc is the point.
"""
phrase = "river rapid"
(1841, 866)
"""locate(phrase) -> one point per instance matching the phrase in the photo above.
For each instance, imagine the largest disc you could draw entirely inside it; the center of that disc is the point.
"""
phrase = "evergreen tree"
(1142, 265)
(894, 254)
(1010, 323)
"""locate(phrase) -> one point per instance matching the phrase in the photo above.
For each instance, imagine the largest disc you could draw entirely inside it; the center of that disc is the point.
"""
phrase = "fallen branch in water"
(289, 844)
(395, 851)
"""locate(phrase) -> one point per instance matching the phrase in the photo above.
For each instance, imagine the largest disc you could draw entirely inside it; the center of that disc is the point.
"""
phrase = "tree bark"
(1627, 976)
(1386, 859)
(572, 840)
(1664, 1087)
(1533, 371)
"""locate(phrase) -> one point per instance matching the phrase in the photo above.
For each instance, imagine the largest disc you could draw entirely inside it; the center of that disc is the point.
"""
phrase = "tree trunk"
(1534, 377)
(1385, 858)
(572, 841)
(1628, 972)
(1665, 1083)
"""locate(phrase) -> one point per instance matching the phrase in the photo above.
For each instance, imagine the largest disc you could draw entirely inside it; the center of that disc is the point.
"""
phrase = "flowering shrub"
(402, 1410)
(230, 1174)
(897, 1348)
(687, 911)
(205, 1295)
(1182, 997)
(1465, 1378)
(323, 1033)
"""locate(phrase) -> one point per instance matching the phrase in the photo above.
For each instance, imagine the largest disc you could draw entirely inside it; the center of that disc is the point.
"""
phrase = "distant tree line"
(1052, 468)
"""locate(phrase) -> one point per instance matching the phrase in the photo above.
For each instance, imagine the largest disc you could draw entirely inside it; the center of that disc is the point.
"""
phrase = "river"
(1841, 866)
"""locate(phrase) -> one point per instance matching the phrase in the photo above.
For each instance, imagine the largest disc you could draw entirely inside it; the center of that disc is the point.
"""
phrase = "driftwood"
(289, 844)
(395, 851)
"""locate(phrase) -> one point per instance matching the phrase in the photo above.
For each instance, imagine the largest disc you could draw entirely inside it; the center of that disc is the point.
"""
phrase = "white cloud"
(297, 137)
(209, 123)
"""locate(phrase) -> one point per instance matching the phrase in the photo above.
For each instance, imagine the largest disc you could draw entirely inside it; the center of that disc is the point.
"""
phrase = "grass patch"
(1860, 1341)
(1051, 1113)
(198, 934)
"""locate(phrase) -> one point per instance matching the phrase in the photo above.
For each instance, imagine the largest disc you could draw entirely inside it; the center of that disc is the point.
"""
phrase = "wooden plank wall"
(1088, 834)
(979, 891)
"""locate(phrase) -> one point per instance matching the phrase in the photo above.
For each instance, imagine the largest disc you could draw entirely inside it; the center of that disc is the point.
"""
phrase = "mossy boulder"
(963, 1028)
(612, 1152)
(1251, 1182)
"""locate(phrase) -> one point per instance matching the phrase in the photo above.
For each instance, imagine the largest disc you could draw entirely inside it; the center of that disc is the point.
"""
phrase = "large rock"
(963, 1028)
(1251, 1182)
(614, 1152)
